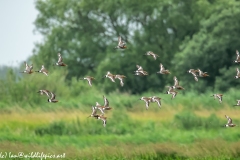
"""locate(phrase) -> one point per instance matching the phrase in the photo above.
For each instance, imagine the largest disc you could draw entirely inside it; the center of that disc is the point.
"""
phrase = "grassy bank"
(143, 134)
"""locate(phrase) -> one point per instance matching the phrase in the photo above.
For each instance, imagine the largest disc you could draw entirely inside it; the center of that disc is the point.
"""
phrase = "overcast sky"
(16, 31)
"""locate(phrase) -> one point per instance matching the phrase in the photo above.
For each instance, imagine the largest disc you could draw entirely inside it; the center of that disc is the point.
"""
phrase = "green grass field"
(187, 127)
(170, 132)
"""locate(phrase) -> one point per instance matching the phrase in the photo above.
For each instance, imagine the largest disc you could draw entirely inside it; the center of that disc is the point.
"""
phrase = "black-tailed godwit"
(163, 70)
(43, 70)
(229, 122)
(121, 44)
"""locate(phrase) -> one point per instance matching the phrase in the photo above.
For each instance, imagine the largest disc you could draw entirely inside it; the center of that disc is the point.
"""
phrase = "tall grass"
(22, 92)
(179, 129)
(125, 137)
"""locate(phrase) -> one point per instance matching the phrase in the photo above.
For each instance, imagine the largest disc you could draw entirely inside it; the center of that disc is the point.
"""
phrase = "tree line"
(200, 34)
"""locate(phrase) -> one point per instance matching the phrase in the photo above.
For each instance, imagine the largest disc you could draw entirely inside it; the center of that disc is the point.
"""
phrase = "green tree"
(86, 32)
(212, 49)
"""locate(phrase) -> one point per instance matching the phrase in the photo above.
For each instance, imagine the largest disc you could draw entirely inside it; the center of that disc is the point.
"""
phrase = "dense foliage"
(185, 34)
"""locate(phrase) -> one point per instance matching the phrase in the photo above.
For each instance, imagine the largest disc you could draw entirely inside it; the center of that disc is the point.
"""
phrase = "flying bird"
(202, 74)
(193, 72)
(238, 74)
(120, 77)
(43, 70)
(176, 84)
(121, 44)
(44, 91)
(219, 96)
(147, 100)
(156, 99)
(238, 103)
(172, 91)
(89, 79)
(110, 76)
(163, 70)
(94, 112)
(52, 98)
(150, 53)
(140, 71)
(60, 61)
(104, 107)
(28, 69)
(229, 122)
(237, 60)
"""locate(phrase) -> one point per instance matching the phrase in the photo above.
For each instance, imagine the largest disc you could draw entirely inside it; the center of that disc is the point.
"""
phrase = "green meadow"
(190, 126)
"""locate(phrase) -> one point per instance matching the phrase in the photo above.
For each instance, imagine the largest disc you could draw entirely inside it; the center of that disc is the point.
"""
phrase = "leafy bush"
(119, 124)
(188, 120)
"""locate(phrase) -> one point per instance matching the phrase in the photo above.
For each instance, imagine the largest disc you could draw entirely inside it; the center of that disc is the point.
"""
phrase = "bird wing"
(237, 53)
(94, 111)
(30, 67)
(176, 83)
(53, 96)
(156, 99)
(60, 58)
(111, 77)
(26, 66)
(194, 74)
(104, 119)
(143, 72)
(170, 88)
(119, 40)
(174, 94)
(139, 68)
(219, 97)
(44, 71)
(147, 103)
(158, 102)
(161, 67)
(89, 81)
(47, 93)
(98, 105)
(121, 82)
(155, 56)
(106, 102)
(229, 119)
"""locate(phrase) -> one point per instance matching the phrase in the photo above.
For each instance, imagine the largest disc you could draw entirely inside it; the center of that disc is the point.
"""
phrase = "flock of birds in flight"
(139, 72)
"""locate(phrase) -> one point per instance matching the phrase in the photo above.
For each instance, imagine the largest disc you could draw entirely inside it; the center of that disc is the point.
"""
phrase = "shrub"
(188, 120)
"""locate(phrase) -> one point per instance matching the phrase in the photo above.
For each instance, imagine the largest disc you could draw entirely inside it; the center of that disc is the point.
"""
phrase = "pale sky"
(17, 35)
